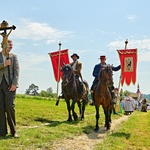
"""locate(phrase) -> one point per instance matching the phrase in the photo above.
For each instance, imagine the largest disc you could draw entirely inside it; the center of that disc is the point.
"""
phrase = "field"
(41, 125)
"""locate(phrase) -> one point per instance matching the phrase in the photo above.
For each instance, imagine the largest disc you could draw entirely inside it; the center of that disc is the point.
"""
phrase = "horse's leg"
(80, 111)
(110, 112)
(97, 118)
(107, 123)
(75, 116)
(83, 108)
(84, 103)
(69, 110)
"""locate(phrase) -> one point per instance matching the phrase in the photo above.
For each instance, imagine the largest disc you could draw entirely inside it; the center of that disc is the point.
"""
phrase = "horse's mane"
(107, 68)
(67, 67)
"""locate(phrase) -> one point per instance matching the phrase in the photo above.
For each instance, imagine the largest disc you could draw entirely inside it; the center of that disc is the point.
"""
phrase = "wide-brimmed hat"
(75, 55)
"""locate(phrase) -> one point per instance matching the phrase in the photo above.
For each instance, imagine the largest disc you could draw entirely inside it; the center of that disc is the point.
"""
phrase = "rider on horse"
(96, 72)
(76, 66)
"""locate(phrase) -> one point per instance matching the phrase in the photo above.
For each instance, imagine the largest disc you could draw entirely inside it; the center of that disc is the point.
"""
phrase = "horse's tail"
(87, 91)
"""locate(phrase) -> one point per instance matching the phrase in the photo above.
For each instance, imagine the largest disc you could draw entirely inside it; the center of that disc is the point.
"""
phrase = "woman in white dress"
(128, 104)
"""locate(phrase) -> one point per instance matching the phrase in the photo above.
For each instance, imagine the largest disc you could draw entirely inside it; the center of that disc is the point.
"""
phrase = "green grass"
(131, 135)
(40, 122)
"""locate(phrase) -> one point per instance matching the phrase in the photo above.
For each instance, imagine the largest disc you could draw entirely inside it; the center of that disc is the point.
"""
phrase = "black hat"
(75, 55)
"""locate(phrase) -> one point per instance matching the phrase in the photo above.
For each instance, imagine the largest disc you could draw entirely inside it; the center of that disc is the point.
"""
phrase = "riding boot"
(81, 88)
(59, 97)
(112, 94)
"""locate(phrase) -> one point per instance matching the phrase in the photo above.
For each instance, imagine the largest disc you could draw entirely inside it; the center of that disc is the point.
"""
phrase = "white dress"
(128, 104)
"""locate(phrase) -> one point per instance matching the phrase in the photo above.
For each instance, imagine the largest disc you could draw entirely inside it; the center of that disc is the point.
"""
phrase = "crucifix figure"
(4, 27)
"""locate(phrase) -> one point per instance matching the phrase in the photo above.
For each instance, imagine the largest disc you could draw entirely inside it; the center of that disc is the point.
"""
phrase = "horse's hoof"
(108, 128)
(69, 120)
(76, 118)
(82, 119)
(96, 129)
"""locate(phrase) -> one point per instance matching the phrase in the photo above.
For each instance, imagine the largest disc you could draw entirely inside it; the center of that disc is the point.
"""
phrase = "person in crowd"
(9, 75)
(144, 106)
(128, 104)
(115, 100)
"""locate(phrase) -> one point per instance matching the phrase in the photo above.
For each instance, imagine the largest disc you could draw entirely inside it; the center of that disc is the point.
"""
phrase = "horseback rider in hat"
(76, 66)
(95, 73)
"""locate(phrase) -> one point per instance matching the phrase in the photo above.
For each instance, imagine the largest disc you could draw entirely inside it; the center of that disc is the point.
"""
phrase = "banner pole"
(58, 69)
(126, 42)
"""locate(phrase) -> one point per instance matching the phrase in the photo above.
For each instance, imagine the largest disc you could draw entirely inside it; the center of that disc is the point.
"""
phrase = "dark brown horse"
(102, 96)
(71, 92)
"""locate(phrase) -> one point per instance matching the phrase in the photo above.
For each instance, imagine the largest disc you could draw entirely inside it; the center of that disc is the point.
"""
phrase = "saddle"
(81, 87)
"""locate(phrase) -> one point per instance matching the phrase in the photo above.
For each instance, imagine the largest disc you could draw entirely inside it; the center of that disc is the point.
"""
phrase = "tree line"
(33, 90)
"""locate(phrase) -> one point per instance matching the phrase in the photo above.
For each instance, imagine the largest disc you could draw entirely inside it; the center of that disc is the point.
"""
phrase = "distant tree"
(43, 94)
(32, 90)
(27, 92)
(50, 90)
(47, 94)
(126, 92)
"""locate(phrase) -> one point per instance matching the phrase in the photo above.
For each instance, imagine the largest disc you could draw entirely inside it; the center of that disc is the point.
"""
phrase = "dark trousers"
(7, 111)
(79, 84)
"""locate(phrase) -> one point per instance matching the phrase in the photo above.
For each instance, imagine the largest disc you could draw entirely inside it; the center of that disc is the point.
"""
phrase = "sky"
(89, 28)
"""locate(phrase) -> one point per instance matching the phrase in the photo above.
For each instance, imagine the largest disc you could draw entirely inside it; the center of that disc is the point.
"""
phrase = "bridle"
(67, 75)
(105, 76)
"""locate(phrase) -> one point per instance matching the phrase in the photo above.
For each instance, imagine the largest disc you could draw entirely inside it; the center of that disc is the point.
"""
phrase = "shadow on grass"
(88, 129)
(53, 123)
(121, 134)
(91, 134)
(6, 137)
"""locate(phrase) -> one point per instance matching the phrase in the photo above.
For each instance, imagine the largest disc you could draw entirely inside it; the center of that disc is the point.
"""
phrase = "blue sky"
(88, 27)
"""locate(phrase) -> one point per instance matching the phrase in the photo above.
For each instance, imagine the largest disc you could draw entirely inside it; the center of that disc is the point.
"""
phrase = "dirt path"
(87, 141)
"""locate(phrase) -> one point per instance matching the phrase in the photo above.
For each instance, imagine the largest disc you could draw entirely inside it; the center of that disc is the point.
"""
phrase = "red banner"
(59, 58)
(128, 60)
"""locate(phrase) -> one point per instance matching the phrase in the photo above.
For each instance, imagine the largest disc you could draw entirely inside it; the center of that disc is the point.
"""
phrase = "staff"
(57, 100)
(126, 42)
(4, 27)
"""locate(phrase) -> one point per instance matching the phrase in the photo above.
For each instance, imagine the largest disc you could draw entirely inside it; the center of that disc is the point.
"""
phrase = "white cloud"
(29, 60)
(144, 57)
(27, 29)
(132, 17)
(143, 47)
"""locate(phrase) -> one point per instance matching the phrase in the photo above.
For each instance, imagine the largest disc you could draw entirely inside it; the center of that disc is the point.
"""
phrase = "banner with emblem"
(128, 61)
(58, 58)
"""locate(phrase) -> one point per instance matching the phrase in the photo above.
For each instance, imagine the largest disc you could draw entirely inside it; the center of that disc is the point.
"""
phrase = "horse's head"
(105, 75)
(67, 74)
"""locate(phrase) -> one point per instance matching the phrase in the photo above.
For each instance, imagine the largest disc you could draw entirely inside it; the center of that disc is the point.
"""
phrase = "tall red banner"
(58, 58)
(128, 60)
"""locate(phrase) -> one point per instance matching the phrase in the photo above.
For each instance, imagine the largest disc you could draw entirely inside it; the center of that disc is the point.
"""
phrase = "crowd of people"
(129, 104)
